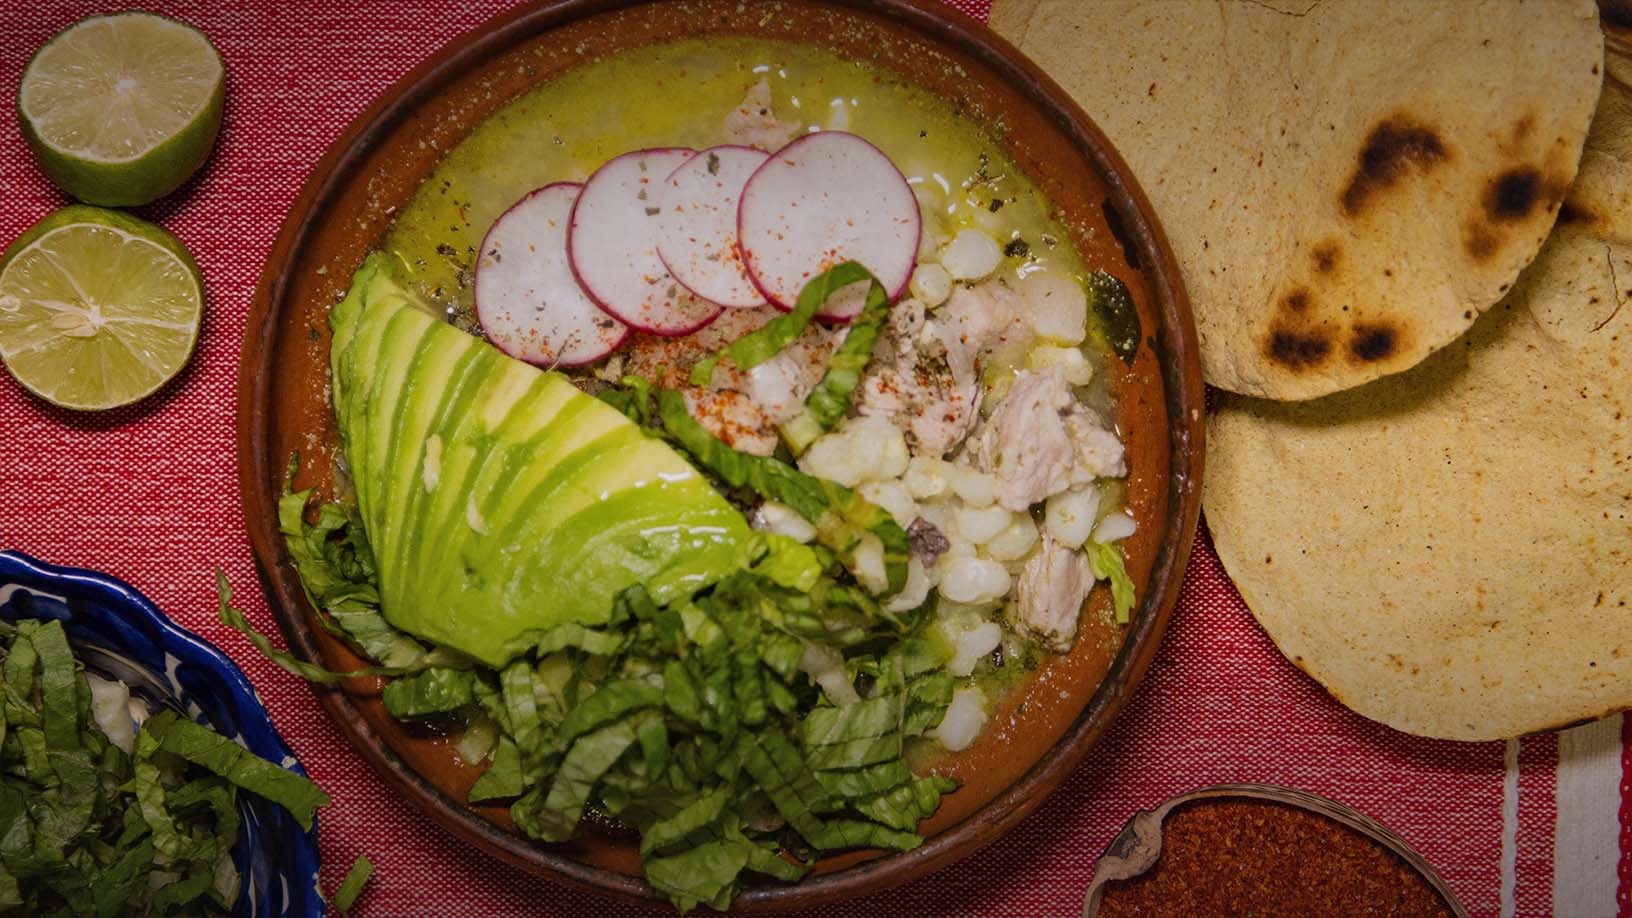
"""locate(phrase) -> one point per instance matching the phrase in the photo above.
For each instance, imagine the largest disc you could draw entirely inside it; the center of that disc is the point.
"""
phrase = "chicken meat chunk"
(1053, 585)
(1026, 444)
(925, 375)
(1041, 441)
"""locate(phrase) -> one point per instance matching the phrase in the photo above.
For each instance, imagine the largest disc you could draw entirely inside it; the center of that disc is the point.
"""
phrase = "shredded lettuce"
(554, 816)
(830, 399)
(87, 829)
(432, 692)
(352, 886)
(768, 340)
(337, 571)
(902, 806)
(234, 618)
(706, 873)
(503, 777)
(790, 564)
(240, 767)
(827, 403)
(1106, 562)
(568, 634)
(692, 723)
(841, 516)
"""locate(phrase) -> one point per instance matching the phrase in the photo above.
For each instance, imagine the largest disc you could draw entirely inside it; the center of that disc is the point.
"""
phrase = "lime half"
(121, 109)
(97, 308)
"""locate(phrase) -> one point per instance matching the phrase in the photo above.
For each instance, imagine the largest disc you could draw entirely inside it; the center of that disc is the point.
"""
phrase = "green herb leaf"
(1110, 300)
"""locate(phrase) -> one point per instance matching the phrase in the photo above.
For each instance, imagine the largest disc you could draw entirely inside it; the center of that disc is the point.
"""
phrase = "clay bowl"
(1137, 848)
(346, 205)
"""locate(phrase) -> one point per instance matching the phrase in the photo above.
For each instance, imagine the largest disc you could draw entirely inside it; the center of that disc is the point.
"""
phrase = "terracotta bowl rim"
(1175, 346)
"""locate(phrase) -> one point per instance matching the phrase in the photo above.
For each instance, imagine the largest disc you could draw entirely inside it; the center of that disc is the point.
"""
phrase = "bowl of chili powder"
(1265, 851)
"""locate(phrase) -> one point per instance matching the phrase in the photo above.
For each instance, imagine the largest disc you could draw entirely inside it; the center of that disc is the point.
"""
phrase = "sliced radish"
(823, 199)
(612, 243)
(697, 228)
(529, 304)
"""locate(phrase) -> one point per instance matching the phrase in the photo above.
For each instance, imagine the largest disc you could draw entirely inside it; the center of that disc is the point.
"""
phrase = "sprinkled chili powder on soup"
(1266, 860)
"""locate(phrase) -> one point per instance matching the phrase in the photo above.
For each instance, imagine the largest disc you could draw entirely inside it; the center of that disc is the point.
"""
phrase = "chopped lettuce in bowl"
(247, 844)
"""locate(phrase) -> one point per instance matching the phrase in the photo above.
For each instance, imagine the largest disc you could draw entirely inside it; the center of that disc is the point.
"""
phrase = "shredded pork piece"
(980, 318)
(1040, 441)
(925, 376)
(1025, 444)
(1048, 600)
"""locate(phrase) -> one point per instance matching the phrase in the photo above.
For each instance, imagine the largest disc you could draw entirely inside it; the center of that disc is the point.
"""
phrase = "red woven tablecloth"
(150, 494)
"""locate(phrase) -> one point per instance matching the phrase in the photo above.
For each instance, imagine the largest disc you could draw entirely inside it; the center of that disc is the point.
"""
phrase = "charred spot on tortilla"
(1371, 343)
(1325, 256)
(1513, 194)
(1113, 220)
(1523, 127)
(1296, 350)
(1296, 301)
(1395, 144)
(1479, 241)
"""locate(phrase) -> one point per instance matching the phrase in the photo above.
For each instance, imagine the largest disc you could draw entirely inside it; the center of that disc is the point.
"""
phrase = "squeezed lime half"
(97, 308)
(121, 109)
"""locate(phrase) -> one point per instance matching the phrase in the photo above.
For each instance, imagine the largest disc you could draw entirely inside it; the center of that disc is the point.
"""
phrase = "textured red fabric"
(150, 494)
(1533, 879)
(1623, 895)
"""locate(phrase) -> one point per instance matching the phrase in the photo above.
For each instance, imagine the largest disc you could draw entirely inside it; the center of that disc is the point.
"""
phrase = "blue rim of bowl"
(139, 624)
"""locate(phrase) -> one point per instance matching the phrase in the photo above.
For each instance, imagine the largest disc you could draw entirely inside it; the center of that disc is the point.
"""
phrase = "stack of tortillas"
(1353, 189)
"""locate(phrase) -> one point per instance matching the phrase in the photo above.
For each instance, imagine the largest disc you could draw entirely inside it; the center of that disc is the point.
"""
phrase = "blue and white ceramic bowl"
(119, 634)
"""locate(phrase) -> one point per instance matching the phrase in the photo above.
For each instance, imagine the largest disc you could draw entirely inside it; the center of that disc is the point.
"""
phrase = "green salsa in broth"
(679, 94)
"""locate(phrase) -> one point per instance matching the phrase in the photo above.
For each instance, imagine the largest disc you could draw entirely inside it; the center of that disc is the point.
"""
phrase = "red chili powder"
(1267, 860)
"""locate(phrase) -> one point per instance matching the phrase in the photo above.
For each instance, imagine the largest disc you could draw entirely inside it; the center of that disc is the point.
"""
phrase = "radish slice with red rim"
(823, 199)
(527, 300)
(612, 243)
(697, 225)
